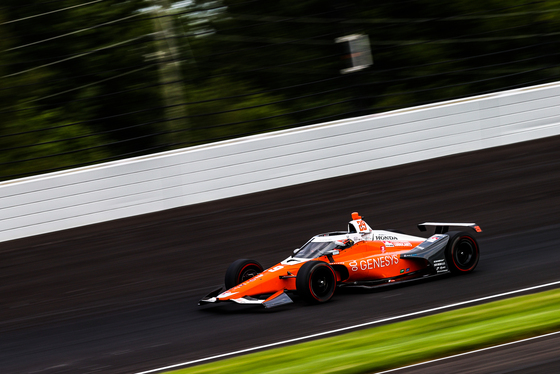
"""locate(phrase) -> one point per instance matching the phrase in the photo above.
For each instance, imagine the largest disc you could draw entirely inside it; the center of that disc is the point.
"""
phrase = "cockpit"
(322, 245)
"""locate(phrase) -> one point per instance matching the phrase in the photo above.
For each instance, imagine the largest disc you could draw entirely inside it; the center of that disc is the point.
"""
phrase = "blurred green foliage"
(93, 81)
(60, 75)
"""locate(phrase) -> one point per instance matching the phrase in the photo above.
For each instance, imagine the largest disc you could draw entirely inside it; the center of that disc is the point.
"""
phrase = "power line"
(460, 39)
(69, 78)
(89, 84)
(303, 40)
(306, 84)
(181, 104)
(51, 12)
(78, 56)
(338, 77)
(32, 4)
(59, 57)
(71, 33)
(460, 84)
(462, 59)
(396, 21)
(462, 71)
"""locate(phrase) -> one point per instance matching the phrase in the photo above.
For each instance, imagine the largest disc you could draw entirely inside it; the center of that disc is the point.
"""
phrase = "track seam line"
(388, 319)
(468, 353)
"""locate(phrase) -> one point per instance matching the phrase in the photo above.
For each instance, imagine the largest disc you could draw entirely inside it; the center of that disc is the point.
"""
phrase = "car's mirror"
(296, 250)
(332, 252)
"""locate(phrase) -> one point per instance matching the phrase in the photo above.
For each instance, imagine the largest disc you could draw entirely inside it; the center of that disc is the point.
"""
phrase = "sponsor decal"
(385, 237)
(276, 268)
(388, 243)
(382, 249)
(407, 270)
(403, 244)
(354, 265)
(226, 294)
(433, 238)
(240, 285)
(379, 262)
(402, 271)
(440, 265)
(362, 225)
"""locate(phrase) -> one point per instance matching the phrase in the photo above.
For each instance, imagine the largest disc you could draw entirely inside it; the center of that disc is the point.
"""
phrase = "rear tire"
(316, 282)
(462, 252)
(241, 270)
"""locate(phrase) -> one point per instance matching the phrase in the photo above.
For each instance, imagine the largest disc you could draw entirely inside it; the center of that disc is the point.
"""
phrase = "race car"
(358, 257)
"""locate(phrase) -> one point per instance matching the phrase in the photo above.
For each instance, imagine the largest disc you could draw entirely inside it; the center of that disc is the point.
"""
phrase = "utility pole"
(172, 87)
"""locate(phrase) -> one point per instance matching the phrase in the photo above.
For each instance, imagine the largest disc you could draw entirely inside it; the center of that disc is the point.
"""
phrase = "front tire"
(316, 282)
(462, 252)
(241, 270)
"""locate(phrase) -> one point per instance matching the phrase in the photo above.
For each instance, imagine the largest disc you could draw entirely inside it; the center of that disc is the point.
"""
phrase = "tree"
(79, 67)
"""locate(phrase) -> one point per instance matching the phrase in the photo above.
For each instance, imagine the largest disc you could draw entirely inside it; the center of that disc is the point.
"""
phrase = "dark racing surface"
(121, 297)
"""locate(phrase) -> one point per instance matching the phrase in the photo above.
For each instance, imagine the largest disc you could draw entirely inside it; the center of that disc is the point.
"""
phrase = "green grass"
(404, 343)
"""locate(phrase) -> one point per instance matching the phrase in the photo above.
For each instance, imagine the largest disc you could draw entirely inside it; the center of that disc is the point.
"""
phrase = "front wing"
(277, 299)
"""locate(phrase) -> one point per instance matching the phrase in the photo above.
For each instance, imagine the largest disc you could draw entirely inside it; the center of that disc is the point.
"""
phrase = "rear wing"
(442, 227)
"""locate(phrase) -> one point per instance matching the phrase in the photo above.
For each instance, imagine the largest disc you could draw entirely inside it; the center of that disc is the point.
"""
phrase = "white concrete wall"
(88, 195)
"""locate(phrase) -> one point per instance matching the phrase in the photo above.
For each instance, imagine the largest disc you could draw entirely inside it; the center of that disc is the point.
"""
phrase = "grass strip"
(406, 342)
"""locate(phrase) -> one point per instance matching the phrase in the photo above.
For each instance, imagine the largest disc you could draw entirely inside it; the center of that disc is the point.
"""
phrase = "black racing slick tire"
(316, 282)
(241, 270)
(462, 252)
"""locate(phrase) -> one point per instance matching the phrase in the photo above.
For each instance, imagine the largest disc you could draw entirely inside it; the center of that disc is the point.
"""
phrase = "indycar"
(358, 257)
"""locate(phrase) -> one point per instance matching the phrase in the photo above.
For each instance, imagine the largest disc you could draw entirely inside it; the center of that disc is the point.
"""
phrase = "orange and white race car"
(359, 257)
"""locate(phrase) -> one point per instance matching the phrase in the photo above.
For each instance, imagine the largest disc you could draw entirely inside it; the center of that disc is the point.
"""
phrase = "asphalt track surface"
(121, 296)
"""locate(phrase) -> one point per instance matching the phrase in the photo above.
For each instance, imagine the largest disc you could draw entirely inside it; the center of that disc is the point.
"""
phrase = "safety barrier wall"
(125, 188)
